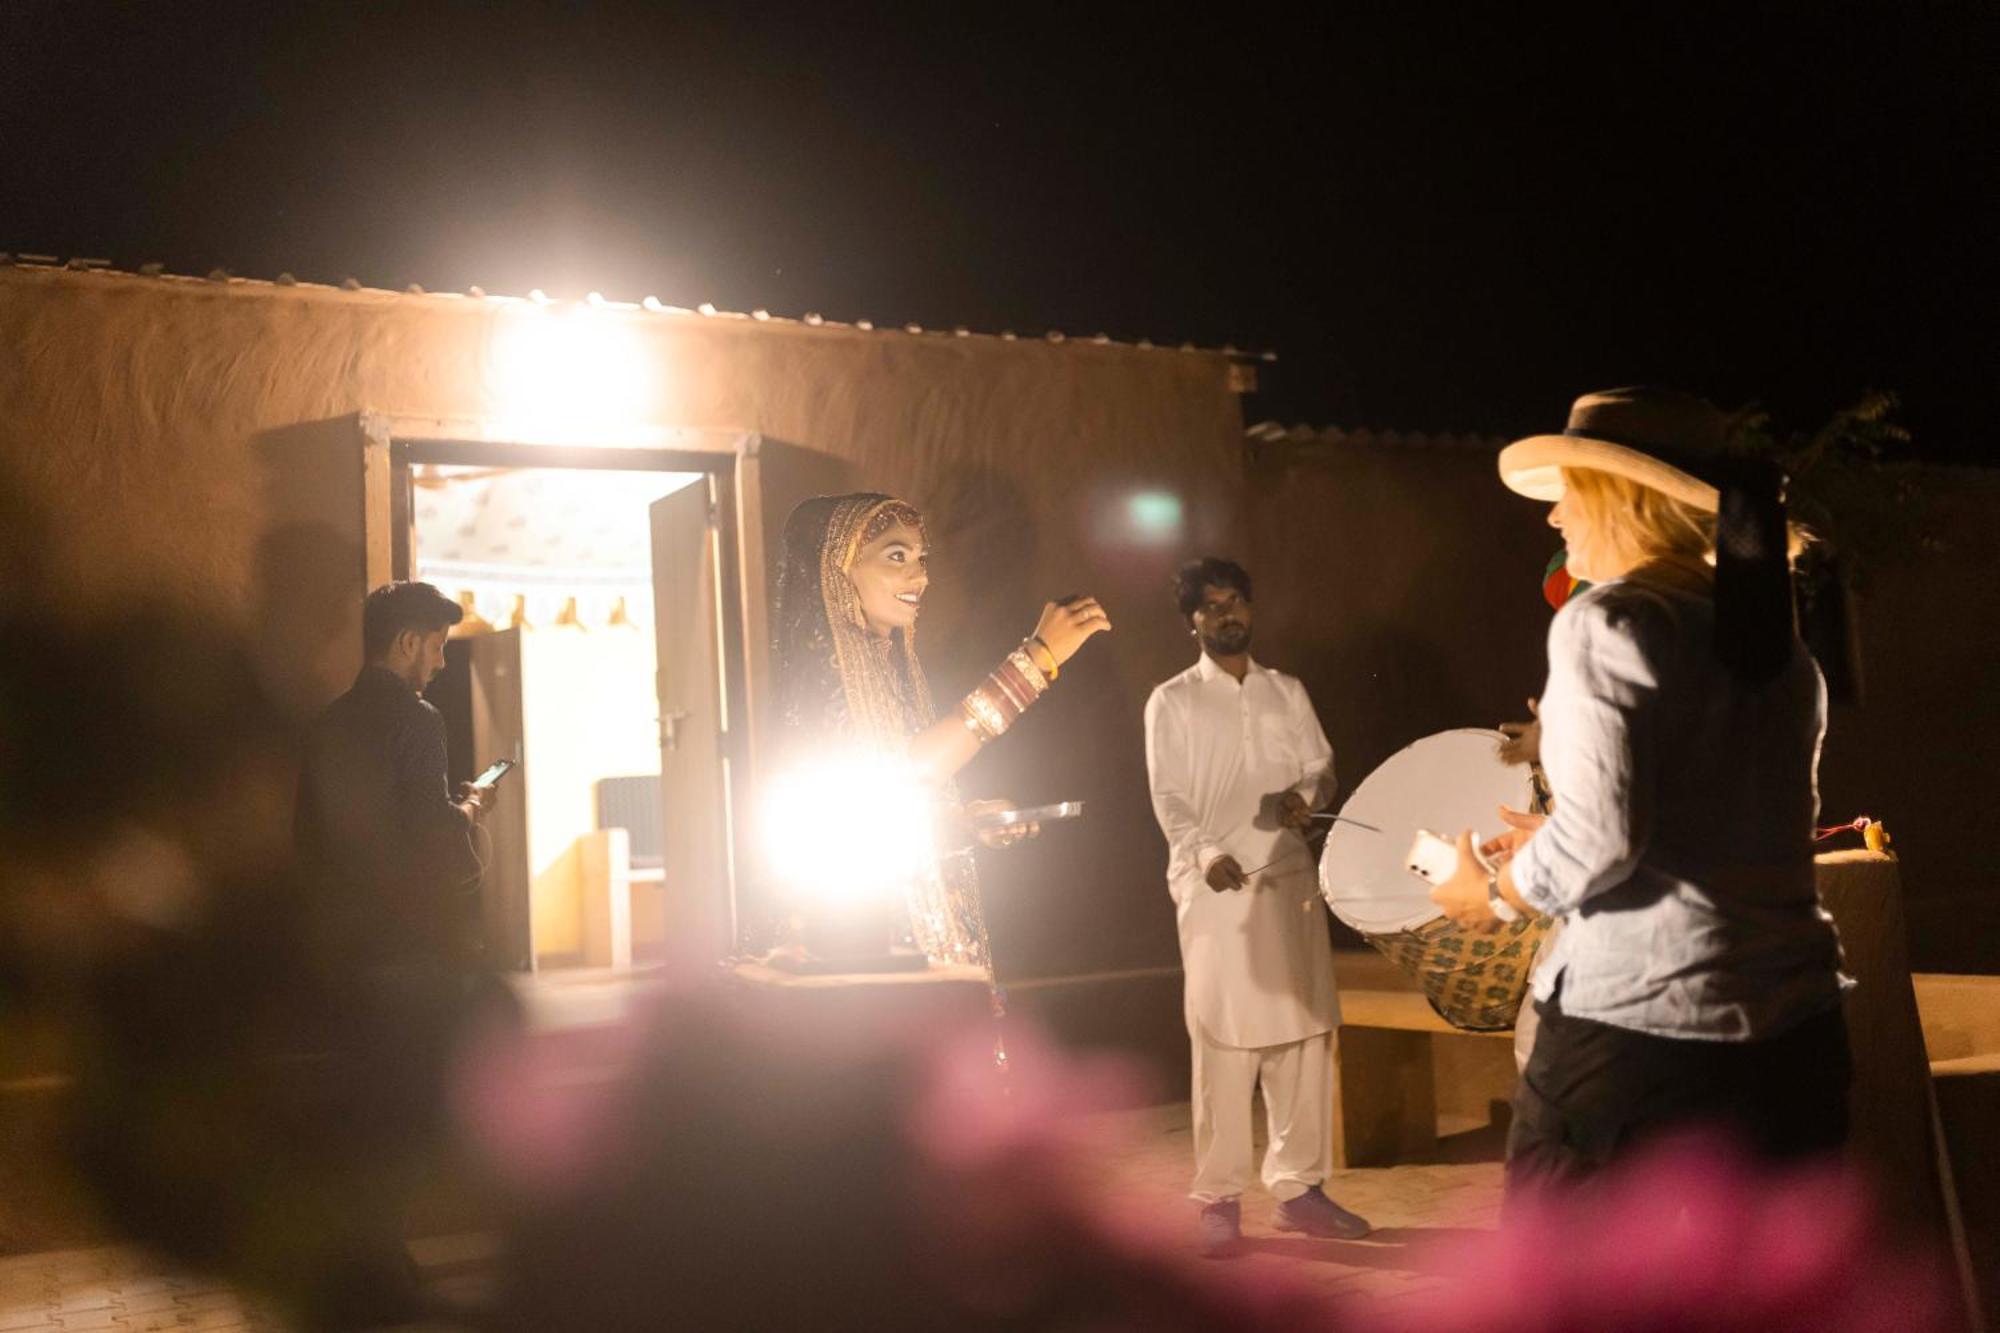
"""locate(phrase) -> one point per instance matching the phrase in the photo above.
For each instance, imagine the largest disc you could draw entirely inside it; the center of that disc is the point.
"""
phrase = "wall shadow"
(309, 572)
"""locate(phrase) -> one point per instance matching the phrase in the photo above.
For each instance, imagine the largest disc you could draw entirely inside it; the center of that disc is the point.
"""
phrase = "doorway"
(602, 650)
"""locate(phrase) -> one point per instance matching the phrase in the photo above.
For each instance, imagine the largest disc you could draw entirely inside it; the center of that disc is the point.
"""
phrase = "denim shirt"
(1679, 856)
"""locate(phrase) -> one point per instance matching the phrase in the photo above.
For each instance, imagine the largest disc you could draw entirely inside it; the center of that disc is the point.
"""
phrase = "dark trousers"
(1593, 1092)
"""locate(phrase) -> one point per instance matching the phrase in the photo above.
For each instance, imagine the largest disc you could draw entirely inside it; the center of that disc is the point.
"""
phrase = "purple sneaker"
(1221, 1228)
(1317, 1215)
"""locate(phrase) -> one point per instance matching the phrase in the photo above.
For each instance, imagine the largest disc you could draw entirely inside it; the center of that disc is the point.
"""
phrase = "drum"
(1446, 783)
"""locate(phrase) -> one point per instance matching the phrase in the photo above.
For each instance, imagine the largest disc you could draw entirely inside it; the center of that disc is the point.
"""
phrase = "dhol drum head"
(1445, 783)
(1475, 980)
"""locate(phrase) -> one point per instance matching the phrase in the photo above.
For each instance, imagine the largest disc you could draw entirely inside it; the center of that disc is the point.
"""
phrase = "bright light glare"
(1154, 516)
(849, 829)
(568, 371)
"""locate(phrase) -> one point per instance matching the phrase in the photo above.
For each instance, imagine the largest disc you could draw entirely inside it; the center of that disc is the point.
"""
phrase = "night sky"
(1444, 218)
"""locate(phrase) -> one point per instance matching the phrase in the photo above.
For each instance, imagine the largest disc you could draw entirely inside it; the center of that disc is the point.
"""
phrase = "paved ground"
(118, 1290)
(110, 1290)
(69, 1291)
(1414, 1207)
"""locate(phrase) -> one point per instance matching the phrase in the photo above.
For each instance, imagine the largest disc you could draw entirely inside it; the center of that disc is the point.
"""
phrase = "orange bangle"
(1034, 641)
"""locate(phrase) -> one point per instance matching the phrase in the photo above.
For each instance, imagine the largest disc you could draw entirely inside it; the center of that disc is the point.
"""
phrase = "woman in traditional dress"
(850, 589)
(1697, 979)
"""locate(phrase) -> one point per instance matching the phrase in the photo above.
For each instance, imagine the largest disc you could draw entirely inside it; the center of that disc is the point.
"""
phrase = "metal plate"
(1040, 814)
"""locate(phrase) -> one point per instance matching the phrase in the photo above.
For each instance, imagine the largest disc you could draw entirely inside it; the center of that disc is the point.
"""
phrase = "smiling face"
(1579, 539)
(890, 573)
(1597, 519)
(1612, 526)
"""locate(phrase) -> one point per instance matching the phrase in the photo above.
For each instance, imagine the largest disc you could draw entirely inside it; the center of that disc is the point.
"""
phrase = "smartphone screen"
(499, 769)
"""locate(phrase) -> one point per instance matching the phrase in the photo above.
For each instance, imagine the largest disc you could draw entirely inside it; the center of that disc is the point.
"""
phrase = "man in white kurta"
(1237, 762)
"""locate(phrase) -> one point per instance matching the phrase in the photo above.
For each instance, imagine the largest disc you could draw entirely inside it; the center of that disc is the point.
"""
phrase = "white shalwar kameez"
(1260, 998)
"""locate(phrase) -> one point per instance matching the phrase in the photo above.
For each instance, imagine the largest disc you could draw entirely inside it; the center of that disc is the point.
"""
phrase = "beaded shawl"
(841, 686)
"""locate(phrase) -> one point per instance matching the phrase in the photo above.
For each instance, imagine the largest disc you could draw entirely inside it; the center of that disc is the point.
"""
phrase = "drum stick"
(1345, 820)
(1288, 856)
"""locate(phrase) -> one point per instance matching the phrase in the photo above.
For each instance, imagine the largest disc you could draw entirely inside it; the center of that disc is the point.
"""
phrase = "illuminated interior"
(554, 568)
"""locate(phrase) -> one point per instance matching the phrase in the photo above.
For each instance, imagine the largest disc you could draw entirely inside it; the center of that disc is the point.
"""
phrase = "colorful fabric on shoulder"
(1558, 584)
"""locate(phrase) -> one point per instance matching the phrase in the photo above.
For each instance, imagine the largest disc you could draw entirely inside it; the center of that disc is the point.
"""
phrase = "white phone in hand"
(1432, 857)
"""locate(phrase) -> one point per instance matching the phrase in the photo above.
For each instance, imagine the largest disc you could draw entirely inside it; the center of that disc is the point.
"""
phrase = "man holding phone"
(1238, 763)
(386, 841)
(392, 887)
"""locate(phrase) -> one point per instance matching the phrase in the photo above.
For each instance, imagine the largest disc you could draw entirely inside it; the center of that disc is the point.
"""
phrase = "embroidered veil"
(838, 686)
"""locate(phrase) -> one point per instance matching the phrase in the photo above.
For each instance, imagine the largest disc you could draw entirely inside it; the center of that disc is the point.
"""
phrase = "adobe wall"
(1918, 751)
(1398, 581)
(130, 408)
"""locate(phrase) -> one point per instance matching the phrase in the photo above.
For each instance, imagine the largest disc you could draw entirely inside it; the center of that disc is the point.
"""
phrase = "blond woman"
(1696, 980)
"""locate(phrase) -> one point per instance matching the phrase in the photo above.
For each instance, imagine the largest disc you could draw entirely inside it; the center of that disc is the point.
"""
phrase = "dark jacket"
(386, 853)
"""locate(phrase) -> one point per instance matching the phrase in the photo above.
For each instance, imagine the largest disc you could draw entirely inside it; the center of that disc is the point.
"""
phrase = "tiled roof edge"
(350, 287)
(1338, 437)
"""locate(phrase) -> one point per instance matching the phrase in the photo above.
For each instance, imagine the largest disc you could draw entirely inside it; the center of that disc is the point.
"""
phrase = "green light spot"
(1155, 515)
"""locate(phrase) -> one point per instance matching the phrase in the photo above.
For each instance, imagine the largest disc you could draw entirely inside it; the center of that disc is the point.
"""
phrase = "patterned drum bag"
(1475, 980)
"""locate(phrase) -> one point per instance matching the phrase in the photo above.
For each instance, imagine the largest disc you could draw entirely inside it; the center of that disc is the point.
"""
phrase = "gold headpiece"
(886, 697)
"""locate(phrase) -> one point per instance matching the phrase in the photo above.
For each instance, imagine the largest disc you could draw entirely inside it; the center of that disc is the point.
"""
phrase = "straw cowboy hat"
(1656, 437)
(1673, 442)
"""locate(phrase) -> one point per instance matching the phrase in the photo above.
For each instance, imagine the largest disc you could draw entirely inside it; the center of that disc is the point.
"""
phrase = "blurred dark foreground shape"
(231, 1090)
(726, 1164)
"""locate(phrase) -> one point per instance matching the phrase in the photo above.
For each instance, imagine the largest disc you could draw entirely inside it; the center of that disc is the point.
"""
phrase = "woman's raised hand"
(1066, 624)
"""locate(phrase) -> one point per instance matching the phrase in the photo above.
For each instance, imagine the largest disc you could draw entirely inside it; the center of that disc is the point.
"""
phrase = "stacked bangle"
(1012, 688)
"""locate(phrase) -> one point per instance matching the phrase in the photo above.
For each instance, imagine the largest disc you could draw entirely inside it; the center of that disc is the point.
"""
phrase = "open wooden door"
(688, 619)
(323, 543)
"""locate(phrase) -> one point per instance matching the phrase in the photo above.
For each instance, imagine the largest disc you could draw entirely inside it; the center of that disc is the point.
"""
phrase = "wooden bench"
(1385, 1067)
(1961, 1030)
(1386, 1056)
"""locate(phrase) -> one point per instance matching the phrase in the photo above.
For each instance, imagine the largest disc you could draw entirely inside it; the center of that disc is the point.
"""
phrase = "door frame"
(731, 461)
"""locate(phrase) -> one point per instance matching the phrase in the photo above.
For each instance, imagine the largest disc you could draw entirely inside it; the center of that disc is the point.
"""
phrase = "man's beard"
(1228, 642)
